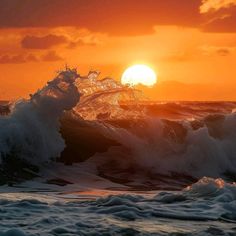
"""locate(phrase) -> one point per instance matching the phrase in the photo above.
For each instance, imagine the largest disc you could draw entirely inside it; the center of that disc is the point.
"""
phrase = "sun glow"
(139, 74)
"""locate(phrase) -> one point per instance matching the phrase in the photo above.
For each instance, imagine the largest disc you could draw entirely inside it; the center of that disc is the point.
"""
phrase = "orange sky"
(191, 44)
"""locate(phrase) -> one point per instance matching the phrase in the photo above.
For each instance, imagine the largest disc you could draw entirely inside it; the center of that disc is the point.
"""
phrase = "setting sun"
(139, 74)
(117, 111)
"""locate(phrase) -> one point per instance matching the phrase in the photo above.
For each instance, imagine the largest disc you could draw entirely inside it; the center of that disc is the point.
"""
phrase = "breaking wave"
(87, 134)
(31, 130)
(136, 137)
(206, 148)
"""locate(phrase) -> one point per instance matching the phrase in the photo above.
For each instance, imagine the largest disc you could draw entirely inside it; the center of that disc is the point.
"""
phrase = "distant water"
(112, 163)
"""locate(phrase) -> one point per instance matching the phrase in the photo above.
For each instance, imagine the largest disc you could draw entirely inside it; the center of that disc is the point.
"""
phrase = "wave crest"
(31, 130)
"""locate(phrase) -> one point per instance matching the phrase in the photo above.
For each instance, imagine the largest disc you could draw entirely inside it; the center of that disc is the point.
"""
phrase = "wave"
(195, 196)
(204, 208)
(187, 110)
(108, 125)
(31, 130)
(167, 147)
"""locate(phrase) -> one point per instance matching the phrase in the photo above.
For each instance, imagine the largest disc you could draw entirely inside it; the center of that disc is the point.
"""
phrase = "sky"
(191, 44)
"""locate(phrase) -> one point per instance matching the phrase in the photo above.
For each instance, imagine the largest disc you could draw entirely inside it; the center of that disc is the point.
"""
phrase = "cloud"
(29, 57)
(129, 17)
(223, 52)
(17, 59)
(213, 50)
(116, 17)
(44, 42)
(51, 56)
(69, 37)
(215, 5)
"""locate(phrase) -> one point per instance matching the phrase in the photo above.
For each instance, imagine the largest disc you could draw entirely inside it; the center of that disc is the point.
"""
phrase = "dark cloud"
(51, 56)
(44, 42)
(213, 50)
(126, 17)
(17, 59)
(223, 51)
(29, 57)
(118, 17)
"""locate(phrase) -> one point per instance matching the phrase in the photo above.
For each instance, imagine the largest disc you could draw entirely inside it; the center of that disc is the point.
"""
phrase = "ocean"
(89, 156)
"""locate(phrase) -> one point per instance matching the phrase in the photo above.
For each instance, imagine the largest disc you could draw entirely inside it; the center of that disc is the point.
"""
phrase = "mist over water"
(160, 162)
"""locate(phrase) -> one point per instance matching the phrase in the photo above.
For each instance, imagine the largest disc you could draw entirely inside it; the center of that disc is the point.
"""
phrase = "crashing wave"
(167, 147)
(147, 144)
(31, 130)
(101, 99)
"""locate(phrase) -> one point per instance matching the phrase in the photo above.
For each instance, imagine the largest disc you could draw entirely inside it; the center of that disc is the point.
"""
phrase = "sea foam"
(31, 130)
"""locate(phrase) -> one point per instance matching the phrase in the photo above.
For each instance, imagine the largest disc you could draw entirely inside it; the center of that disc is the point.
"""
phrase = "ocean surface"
(89, 156)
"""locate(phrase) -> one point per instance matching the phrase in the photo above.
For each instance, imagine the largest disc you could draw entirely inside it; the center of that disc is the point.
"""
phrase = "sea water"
(112, 163)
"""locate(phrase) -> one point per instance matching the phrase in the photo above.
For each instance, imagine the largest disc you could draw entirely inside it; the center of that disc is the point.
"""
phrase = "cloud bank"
(44, 42)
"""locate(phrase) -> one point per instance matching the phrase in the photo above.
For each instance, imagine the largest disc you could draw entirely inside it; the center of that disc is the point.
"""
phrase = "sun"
(139, 74)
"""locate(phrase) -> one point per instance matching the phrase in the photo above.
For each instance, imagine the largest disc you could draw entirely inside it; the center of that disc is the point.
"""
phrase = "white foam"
(31, 131)
(207, 206)
(198, 153)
